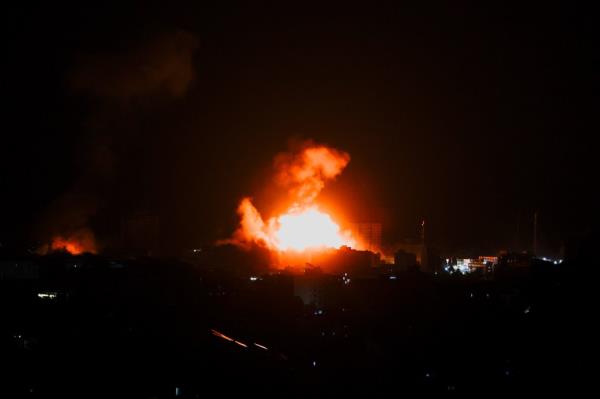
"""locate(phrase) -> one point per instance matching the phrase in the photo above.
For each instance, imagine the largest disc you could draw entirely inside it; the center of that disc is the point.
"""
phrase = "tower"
(535, 215)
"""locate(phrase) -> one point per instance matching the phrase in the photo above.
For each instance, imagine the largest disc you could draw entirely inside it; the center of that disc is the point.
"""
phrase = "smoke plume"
(305, 172)
(160, 66)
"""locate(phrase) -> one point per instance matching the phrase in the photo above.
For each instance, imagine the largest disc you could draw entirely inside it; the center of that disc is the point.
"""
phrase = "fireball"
(71, 246)
(308, 229)
(303, 227)
(77, 243)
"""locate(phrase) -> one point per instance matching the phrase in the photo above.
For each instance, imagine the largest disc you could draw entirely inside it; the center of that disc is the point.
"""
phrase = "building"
(18, 270)
(427, 258)
(404, 261)
(481, 264)
(317, 289)
(417, 248)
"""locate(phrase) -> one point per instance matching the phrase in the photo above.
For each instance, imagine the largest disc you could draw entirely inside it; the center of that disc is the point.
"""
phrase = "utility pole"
(424, 259)
(535, 215)
(517, 236)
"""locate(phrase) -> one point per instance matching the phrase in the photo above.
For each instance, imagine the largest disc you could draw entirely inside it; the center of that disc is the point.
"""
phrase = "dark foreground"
(90, 327)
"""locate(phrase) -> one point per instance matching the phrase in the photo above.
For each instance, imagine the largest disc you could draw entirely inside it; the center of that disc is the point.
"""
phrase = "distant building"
(481, 264)
(317, 289)
(515, 260)
(18, 270)
(404, 261)
(347, 260)
(489, 259)
(427, 258)
(415, 248)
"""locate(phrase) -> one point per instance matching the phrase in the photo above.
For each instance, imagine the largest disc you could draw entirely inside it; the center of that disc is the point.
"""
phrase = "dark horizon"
(471, 117)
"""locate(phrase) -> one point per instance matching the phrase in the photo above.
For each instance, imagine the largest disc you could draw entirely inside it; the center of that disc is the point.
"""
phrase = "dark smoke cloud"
(161, 66)
(71, 211)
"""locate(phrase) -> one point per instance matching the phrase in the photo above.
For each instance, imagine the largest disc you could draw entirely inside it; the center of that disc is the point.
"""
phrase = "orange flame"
(303, 226)
(76, 244)
(306, 172)
(298, 229)
(72, 247)
(307, 229)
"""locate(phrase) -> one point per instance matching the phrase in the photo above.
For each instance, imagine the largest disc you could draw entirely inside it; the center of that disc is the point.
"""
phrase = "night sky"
(471, 116)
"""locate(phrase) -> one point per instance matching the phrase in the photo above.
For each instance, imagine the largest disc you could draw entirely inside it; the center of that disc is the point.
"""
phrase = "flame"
(303, 226)
(298, 229)
(308, 229)
(304, 173)
(70, 246)
(77, 243)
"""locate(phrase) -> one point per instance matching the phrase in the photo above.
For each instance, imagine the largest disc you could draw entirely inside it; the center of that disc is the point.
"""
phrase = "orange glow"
(303, 226)
(77, 243)
(298, 229)
(221, 335)
(308, 229)
(304, 173)
(72, 247)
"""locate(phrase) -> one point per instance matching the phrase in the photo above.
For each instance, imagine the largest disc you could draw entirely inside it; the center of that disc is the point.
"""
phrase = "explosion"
(71, 246)
(303, 226)
(76, 244)
(307, 229)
